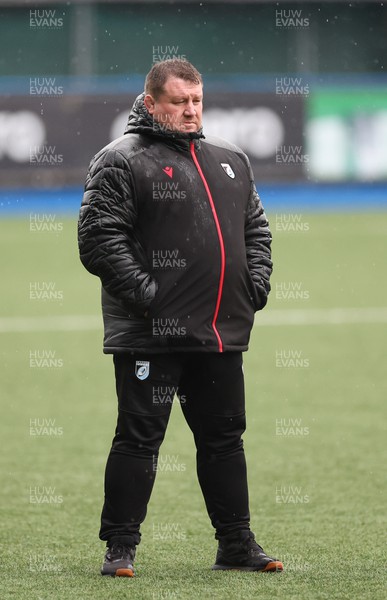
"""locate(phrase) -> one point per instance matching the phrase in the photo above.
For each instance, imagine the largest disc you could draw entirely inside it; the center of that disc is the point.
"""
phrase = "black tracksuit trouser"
(210, 388)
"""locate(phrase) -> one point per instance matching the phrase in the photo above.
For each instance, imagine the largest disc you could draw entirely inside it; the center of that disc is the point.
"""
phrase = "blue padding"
(307, 197)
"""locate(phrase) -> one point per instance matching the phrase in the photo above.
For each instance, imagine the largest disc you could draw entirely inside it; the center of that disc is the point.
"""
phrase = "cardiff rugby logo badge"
(142, 369)
(227, 169)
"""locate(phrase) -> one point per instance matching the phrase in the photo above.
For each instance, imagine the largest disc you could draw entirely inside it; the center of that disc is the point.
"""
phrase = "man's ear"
(149, 103)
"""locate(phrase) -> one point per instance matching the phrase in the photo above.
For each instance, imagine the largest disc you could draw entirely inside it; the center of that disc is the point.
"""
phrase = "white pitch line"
(320, 316)
(53, 323)
(272, 318)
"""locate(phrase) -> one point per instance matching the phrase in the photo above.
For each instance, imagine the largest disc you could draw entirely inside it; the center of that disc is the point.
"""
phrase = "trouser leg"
(143, 412)
(212, 390)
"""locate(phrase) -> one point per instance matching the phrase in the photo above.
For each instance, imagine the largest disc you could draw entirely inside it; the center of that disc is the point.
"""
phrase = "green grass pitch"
(315, 443)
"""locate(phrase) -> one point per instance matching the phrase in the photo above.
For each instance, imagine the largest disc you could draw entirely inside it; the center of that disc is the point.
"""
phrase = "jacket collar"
(140, 121)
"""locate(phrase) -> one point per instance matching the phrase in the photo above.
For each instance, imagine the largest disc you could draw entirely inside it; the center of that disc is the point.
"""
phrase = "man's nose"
(190, 109)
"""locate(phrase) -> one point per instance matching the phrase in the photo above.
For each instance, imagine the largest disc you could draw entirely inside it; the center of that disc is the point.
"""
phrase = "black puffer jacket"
(174, 228)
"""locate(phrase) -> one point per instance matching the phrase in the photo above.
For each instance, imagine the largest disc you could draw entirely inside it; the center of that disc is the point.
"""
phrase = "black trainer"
(241, 552)
(119, 560)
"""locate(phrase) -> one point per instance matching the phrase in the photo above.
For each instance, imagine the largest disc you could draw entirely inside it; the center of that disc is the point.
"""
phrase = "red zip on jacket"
(221, 244)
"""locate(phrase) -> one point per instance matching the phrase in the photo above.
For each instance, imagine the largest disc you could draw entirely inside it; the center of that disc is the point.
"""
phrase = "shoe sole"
(124, 573)
(271, 567)
(120, 573)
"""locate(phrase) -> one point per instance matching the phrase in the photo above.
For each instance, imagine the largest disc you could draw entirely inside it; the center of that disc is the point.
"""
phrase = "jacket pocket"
(152, 309)
(257, 295)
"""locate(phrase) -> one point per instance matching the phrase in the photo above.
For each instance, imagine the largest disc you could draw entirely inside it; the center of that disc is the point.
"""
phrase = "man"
(173, 226)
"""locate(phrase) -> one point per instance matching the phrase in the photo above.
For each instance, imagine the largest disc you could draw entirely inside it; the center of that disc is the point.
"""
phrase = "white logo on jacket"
(142, 369)
(227, 169)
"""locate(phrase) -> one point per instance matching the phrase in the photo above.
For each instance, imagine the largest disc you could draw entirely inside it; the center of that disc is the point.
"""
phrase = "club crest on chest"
(228, 170)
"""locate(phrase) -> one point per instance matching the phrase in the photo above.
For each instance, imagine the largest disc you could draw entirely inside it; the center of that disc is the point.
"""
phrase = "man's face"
(179, 107)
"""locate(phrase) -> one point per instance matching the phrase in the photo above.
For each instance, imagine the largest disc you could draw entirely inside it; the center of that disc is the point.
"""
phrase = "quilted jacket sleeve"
(258, 246)
(106, 232)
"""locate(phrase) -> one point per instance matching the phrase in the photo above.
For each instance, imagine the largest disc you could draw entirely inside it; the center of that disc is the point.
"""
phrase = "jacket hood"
(140, 121)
